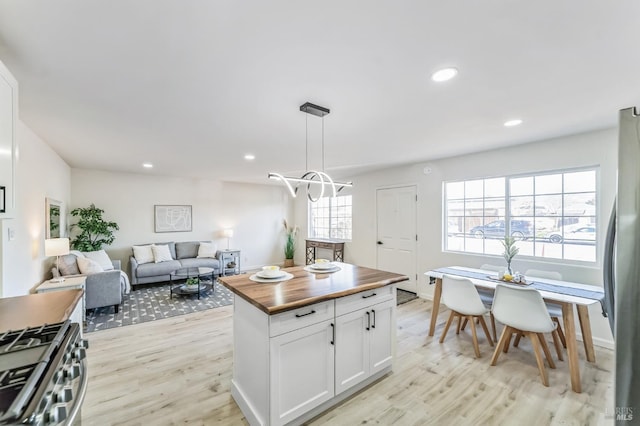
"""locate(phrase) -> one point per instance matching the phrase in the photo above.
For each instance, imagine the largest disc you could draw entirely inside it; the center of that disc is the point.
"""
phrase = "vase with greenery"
(510, 251)
(192, 281)
(94, 230)
(290, 243)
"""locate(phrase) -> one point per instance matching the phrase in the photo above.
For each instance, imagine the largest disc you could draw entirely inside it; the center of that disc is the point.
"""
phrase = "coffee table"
(205, 277)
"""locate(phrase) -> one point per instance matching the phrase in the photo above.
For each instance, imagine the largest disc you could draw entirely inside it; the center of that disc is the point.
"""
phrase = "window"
(331, 218)
(553, 215)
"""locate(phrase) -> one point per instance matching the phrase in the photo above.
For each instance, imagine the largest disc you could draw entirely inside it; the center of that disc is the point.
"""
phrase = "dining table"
(570, 296)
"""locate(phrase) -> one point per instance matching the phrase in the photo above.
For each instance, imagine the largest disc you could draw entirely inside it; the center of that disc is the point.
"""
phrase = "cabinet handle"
(374, 318)
(304, 315)
(366, 297)
(368, 320)
(333, 334)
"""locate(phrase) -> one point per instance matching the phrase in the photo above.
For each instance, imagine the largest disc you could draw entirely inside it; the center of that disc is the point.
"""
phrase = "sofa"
(182, 255)
(105, 285)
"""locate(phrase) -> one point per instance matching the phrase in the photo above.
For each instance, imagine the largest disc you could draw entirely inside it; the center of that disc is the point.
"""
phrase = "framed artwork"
(172, 218)
(3, 195)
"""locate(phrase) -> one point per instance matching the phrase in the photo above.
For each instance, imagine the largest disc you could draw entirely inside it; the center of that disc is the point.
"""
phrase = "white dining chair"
(486, 296)
(522, 310)
(555, 311)
(461, 297)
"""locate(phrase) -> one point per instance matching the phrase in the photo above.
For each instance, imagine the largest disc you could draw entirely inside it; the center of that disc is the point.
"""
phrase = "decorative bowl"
(270, 271)
(323, 264)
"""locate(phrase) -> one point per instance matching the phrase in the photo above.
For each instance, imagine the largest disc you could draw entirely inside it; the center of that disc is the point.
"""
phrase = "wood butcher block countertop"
(37, 309)
(306, 288)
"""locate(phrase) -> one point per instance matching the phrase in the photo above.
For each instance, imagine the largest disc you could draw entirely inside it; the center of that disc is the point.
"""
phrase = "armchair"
(104, 289)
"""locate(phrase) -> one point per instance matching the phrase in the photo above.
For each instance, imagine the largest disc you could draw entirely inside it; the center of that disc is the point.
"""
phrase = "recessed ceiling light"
(444, 74)
(249, 157)
(147, 165)
(512, 123)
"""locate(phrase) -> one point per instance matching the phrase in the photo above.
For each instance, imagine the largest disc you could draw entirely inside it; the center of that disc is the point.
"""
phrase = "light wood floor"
(178, 371)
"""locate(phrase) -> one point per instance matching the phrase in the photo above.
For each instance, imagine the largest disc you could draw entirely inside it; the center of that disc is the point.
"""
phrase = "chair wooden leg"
(446, 327)
(476, 348)
(560, 333)
(556, 343)
(545, 349)
(516, 341)
(539, 360)
(506, 331)
(493, 327)
(508, 341)
(461, 324)
(486, 330)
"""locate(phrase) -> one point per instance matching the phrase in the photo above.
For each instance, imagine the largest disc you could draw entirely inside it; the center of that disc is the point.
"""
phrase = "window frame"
(332, 207)
(508, 217)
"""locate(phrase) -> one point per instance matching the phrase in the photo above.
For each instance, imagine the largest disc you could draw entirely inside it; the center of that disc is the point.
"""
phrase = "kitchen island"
(303, 345)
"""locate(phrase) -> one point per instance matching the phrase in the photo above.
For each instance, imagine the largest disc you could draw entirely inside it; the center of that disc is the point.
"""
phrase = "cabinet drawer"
(363, 299)
(301, 317)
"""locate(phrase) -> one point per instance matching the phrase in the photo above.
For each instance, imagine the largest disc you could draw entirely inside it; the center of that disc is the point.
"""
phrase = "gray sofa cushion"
(202, 262)
(68, 265)
(187, 250)
(162, 268)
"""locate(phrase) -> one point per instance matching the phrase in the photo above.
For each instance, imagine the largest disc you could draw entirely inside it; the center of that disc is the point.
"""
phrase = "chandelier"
(312, 177)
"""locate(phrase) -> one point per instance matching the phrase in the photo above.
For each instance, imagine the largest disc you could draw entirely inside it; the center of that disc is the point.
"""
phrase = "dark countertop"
(37, 309)
(306, 288)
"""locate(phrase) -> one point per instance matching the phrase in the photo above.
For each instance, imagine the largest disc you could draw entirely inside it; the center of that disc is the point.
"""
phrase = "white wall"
(41, 173)
(590, 149)
(255, 212)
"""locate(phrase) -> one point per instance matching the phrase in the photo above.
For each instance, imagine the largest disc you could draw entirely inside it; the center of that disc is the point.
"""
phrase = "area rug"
(153, 302)
(404, 296)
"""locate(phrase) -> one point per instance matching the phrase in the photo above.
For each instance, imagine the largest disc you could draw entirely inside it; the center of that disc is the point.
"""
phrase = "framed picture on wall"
(170, 218)
(3, 193)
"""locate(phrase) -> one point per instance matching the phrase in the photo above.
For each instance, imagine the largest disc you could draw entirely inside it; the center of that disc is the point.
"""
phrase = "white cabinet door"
(381, 336)
(302, 371)
(352, 349)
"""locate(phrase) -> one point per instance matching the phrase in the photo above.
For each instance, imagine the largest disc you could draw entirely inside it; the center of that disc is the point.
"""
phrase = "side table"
(337, 248)
(69, 283)
(229, 262)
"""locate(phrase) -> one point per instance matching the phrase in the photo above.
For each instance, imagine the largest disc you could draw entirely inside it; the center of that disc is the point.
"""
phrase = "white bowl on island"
(323, 264)
(270, 271)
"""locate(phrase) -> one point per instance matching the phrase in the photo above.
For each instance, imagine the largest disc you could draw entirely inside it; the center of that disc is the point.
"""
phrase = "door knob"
(379, 243)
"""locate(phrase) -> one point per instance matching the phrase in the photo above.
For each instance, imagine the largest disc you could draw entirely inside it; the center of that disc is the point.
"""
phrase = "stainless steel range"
(43, 375)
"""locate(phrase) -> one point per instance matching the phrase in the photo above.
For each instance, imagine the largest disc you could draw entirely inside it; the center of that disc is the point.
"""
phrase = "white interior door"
(397, 235)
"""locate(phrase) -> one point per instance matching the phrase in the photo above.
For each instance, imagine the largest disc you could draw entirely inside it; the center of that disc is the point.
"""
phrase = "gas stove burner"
(42, 374)
(22, 344)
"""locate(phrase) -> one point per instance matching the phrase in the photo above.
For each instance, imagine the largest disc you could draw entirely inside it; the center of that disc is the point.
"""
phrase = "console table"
(337, 247)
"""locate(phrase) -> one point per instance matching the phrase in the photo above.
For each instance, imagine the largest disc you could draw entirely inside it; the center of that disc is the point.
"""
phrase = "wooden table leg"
(572, 346)
(436, 306)
(585, 328)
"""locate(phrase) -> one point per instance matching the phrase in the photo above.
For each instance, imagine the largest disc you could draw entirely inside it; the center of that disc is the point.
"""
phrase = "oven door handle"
(82, 390)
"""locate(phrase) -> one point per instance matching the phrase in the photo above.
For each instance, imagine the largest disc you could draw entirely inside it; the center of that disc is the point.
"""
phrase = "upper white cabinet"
(8, 141)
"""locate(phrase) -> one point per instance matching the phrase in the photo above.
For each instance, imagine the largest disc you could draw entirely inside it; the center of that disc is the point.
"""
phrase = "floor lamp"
(56, 247)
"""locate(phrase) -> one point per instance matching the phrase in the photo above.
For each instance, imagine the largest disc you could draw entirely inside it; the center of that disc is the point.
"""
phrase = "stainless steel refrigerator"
(622, 271)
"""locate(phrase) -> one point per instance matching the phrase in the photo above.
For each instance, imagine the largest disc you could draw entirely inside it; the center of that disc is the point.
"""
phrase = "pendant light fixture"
(311, 177)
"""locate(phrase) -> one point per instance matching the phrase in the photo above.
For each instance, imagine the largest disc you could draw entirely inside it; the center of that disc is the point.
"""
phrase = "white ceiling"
(193, 85)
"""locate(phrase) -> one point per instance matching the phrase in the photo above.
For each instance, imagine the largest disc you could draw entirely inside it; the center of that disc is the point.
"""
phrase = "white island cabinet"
(294, 359)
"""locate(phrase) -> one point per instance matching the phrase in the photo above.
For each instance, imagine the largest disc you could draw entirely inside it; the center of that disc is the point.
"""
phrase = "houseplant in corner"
(290, 243)
(94, 230)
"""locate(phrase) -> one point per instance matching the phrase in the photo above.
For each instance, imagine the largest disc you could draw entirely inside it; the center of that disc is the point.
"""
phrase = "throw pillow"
(101, 257)
(207, 250)
(143, 254)
(88, 266)
(161, 253)
(67, 265)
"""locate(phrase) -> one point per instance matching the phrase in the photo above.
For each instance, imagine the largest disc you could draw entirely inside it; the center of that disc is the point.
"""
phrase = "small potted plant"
(290, 243)
(510, 251)
(192, 281)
